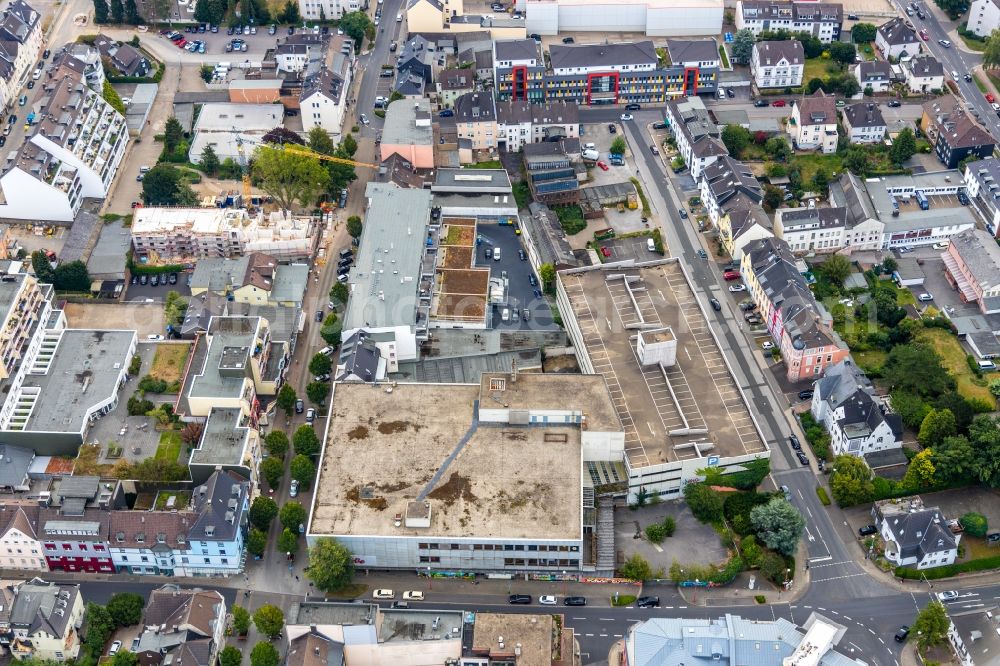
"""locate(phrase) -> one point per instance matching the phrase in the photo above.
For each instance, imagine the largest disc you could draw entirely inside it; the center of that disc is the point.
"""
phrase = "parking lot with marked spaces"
(643, 329)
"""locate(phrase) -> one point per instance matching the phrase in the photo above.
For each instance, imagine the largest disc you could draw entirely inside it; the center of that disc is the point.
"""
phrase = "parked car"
(761, 103)
(767, 346)
(446, 113)
(736, 288)
(547, 600)
(633, 107)
(778, 102)
(626, 117)
(794, 441)
(803, 458)
(117, 645)
(519, 599)
(716, 305)
(575, 601)
(310, 415)
(894, 103)
(647, 602)
(867, 530)
(806, 394)
(731, 275)
(383, 594)
(293, 489)
(901, 635)
(568, 40)
(413, 595)
(602, 166)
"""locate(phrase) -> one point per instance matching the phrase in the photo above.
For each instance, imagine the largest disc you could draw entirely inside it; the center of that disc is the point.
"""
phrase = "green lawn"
(953, 359)
(489, 164)
(870, 360)
(979, 84)
(170, 446)
(973, 44)
(724, 56)
(810, 163)
(816, 68)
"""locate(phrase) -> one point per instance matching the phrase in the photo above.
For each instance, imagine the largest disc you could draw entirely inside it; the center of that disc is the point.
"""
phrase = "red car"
(924, 36)
(731, 275)
(606, 251)
(990, 98)
(603, 166)
(778, 102)
(181, 43)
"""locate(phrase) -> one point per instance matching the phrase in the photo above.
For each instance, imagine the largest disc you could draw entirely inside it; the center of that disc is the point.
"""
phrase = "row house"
(20, 548)
(21, 42)
(778, 64)
(520, 123)
(723, 180)
(821, 20)
(697, 136)
(800, 327)
(811, 229)
(41, 621)
(844, 402)
(742, 222)
(476, 120)
(323, 100)
(453, 83)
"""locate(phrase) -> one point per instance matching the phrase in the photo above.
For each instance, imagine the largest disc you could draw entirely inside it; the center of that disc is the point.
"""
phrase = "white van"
(650, 245)
(496, 254)
(722, 93)
(987, 365)
(591, 154)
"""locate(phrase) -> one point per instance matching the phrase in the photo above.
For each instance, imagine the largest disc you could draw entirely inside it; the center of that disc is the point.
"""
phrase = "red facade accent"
(88, 564)
(694, 80)
(590, 83)
(519, 83)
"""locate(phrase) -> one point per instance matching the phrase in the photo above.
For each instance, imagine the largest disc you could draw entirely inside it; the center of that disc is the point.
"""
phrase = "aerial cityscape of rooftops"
(366, 332)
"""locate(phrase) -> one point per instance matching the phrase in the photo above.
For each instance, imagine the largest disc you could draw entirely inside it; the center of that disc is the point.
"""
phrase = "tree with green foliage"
(984, 435)
(289, 177)
(286, 398)
(290, 13)
(904, 146)
(348, 146)
(862, 33)
(304, 441)
(705, 503)
(736, 138)
(742, 46)
(100, 625)
(772, 198)
(272, 470)
(937, 425)
(111, 96)
(163, 186)
(241, 621)
(126, 608)
(751, 551)
(332, 327)
(821, 182)
(975, 524)
(132, 15)
(125, 658)
(320, 364)
(319, 141)
(920, 473)
(292, 515)
(774, 568)
(916, 368)
(778, 148)
(931, 626)
(302, 470)
(954, 459)
(842, 52)
(354, 226)
(851, 481)
(331, 565)
(174, 307)
(209, 161)
(636, 568)
(856, 160)
(173, 134)
(288, 541)
(262, 512)
(100, 12)
(547, 274)
(836, 268)
(355, 25)
(42, 267)
(269, 620)
(317, 392)
(778, 525)
(618, 145)
(264, 654)
(281, 136)
(230, 655)
(339, 293)
(991, 54)
(276, 443)
(71, 276)
(117, 11)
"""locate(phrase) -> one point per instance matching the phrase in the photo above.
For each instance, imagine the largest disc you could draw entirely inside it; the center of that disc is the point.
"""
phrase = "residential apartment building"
(923, 73)
(800, 327)
(972, 267)
(409, 133)
(724, 180)
(958, 137)
(844, 402)
(327, 10)
(182, 626)
(742, 222)
(696, 134)
(894, 39)
(85, 57)
(778, 64)
(864, 123)
(874, 74)
(813, 125)
(203, 539)
(520, 123)
(915, 536)
(255, 279)
(597, 74)
(20, 548)
(811, 229)
(476, 120)
(41, 620)
(20, 45)
(296, 52)
(73, 152)
(323, 99)
(169, 235)
(453, 83)
(982, 182)
(984, 17)
(694, 53)
(821, 20)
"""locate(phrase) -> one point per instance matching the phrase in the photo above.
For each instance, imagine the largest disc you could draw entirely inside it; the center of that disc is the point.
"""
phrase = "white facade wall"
(922, 84)
(984, 17)
(542, 18)
(929, 561)
(684, 21)
(318, 110)
(896, 50)
(802, 238)
(327, 9)
(550, 17)
(865, 236)
(865, 134)
(779, 75)
(754, 233)
(516, 135)
(21, 551)
(27, 56)
(881, 439)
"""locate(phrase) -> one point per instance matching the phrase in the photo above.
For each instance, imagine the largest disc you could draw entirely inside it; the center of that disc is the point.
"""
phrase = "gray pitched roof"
(919, 533)
(475, 107)
(866, 114)
(874, 70)
(692, 50)
(602, 55)
(896, 33)
(360, 357)
(40, 606)
(773, 52)
(924, 66)
(219, 503)
(517, 49)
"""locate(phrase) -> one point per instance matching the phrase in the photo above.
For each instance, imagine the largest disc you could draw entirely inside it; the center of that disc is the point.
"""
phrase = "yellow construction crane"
(244, 167)
(305, 152)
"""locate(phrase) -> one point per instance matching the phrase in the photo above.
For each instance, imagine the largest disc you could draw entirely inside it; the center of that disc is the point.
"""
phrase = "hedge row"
(982, 564)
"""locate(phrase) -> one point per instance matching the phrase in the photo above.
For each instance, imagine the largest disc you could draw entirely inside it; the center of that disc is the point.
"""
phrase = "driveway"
(520, 292)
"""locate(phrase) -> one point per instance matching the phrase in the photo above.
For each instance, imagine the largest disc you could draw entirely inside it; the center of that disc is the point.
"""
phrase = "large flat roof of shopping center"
(707, 395)
(386, 270)
(540, 392)
(385, 445)
(85, 370)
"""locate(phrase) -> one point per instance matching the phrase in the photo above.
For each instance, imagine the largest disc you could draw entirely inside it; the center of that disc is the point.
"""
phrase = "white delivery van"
(591, 154)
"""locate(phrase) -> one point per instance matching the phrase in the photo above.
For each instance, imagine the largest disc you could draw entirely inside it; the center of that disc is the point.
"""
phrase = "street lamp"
(430, 581)
(564, 583)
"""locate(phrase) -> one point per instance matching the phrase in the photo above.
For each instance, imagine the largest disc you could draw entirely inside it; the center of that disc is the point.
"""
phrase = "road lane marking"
(608, 619)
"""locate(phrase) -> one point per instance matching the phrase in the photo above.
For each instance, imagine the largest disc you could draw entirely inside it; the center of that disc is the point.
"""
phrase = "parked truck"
(922, 200)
